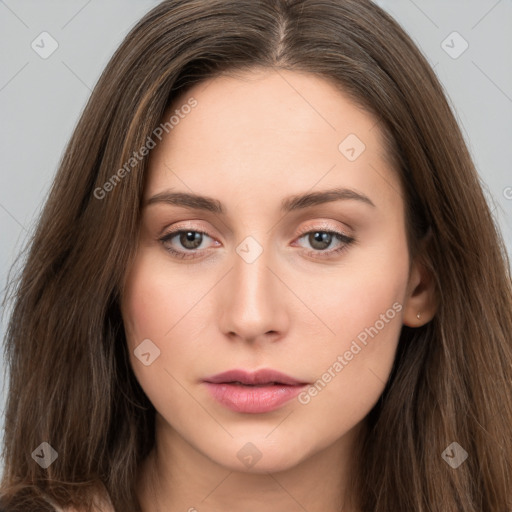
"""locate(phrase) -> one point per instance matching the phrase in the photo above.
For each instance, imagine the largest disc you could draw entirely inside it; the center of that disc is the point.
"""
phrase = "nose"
(252, 304)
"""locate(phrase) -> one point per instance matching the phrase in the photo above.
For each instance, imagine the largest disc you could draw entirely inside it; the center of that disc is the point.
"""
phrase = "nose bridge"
(252, 285)
(254, 305)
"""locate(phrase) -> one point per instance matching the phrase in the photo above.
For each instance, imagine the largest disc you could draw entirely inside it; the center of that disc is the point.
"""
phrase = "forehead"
(282, 129)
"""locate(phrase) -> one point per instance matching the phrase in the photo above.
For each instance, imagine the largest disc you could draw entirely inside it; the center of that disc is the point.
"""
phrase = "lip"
(253, 392)
(263, 376)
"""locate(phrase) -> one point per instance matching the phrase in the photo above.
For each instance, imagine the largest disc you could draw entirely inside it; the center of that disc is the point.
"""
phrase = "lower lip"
(253, 399)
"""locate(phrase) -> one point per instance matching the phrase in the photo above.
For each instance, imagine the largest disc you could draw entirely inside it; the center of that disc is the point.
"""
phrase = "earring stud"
(418, 316)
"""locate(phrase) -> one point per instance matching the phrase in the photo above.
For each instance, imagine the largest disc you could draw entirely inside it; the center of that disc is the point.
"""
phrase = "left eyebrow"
(323, 196)
(297, 202)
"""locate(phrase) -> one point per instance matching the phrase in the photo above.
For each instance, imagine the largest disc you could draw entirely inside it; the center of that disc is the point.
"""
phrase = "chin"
(258, 455)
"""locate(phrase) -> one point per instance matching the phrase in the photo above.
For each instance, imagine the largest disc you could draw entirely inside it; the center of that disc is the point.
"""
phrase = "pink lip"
(253, 392)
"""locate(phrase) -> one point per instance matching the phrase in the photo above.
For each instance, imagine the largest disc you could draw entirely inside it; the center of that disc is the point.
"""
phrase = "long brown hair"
(71, 384)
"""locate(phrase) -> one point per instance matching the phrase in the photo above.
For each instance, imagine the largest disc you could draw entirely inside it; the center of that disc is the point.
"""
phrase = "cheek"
(363, 319)
(351, 298)
(153, 300)
(161, 306)
(363, 308)
(155, 308)
(148, 309)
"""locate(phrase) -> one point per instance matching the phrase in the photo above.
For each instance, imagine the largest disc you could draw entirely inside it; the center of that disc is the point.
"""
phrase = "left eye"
(321, 240)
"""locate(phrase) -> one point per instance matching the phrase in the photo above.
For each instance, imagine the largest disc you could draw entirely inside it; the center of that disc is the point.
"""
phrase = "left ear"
(421, 296)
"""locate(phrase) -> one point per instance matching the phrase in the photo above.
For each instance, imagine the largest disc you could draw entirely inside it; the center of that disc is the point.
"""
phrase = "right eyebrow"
(187, 200)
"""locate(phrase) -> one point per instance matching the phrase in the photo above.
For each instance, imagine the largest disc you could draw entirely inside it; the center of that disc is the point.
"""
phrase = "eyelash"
(347, 241)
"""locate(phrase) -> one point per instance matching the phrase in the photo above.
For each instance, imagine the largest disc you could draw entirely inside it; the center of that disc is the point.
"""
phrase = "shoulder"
(101, 506)
(101, 502)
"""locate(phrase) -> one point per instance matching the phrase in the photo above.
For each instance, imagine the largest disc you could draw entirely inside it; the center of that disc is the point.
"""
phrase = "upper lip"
(264, 376)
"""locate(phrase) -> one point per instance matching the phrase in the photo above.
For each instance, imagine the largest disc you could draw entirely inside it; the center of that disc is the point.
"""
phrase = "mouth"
(265, 384)
(253, 392)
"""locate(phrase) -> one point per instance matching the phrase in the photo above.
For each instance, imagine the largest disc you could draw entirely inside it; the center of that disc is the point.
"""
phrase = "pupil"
(321, 238)
(191, 239)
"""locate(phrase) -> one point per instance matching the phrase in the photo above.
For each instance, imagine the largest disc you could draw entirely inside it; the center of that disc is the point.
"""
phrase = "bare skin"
(250, 143)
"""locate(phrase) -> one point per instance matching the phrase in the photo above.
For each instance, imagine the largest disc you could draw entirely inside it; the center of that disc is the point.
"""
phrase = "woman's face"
(315, 288)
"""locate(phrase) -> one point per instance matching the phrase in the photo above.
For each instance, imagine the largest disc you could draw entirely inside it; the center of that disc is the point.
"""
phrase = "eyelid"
(322, 226)
(184, 226)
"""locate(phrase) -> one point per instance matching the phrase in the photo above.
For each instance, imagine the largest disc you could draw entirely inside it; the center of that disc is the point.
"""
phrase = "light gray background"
(41, 99)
